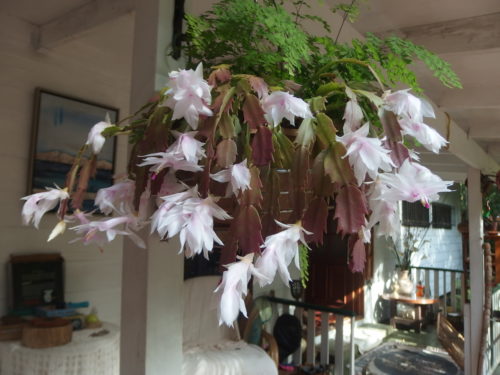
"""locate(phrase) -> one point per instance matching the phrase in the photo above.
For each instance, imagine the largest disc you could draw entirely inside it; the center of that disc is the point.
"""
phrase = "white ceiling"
(476, 108)
(39, 12)
(382, 15)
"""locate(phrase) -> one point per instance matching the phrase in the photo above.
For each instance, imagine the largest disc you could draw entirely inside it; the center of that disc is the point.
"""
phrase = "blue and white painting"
(63, 126)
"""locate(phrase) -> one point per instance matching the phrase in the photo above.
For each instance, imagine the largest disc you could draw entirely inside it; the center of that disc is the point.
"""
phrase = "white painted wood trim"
(454, 291)
(445, 294)
(476, 266)
(462, 291)
(472, 98)
(310, 337)
(427, 284)
(325, 343)
(80, 20)
(286, 309)
(151, 329)
(133, 309)
(475, 33)
(467, 343)
(436, 284)
(297, 356)
(462, 146)
(351, 347)
(339, 345)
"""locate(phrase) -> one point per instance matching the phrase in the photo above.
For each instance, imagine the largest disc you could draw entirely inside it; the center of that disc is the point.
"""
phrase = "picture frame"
(61, 124)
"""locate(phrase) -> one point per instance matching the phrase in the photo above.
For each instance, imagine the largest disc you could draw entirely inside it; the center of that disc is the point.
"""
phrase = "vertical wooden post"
(463, 294)
(339, 345)
(467, 343)
(476, 267)
(297, 356)
(445, 295)
(310, 337)
(325, 342)
(133, 309)
(351, 347)
(454, 291)
(427, 284)
(151, 325)
(436, 284)
(286, 309)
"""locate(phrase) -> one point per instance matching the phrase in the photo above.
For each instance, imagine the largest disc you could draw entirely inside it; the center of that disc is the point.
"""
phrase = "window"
(441, 216)
(415, 215)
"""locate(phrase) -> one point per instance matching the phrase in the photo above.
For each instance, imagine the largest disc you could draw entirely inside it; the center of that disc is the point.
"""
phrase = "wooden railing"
(301, 308)
(492, 357)
(447, 284)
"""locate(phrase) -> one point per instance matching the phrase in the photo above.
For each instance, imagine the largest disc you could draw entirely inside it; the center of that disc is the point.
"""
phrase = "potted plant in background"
(265, 107)
(491, 204)
(408, 252)
(490, 190)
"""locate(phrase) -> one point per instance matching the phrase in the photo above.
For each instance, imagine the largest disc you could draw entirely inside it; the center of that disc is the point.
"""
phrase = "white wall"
(95, 67)
(444, 250)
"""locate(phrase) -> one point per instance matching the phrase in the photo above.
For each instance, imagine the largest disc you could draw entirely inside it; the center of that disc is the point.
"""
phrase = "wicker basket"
(46, 333)
(11, 331)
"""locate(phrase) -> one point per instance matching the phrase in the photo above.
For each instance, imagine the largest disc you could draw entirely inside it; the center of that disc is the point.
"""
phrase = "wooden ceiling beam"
(462, 145)
(489, 132)
(78, 21)
(461, 35)
(471, 98)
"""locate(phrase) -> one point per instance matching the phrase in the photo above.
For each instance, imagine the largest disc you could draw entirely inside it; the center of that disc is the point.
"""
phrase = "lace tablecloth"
(84, 355)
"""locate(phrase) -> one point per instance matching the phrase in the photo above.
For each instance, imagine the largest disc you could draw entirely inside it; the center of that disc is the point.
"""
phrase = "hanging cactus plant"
(251, 153)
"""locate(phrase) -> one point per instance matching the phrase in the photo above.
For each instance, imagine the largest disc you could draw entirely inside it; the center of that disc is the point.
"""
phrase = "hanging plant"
(276, 111)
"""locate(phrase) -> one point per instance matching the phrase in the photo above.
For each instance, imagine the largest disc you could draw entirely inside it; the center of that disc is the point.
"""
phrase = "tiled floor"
(426, 339)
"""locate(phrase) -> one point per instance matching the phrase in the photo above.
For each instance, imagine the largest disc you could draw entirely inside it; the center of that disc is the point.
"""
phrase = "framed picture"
(61, 124)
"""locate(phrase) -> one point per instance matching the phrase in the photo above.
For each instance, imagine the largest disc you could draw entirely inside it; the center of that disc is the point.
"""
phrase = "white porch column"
(476, 266)
(151, 316)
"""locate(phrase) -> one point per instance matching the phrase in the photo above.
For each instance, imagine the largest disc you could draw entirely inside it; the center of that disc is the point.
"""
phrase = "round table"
(84, 355)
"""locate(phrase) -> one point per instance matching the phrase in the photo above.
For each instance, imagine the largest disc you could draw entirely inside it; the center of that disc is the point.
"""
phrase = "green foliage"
(350, 10)
(492, 205)
(406, 51)
(262, 38)
(255, 38)
(390, 58)
(490, 199)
